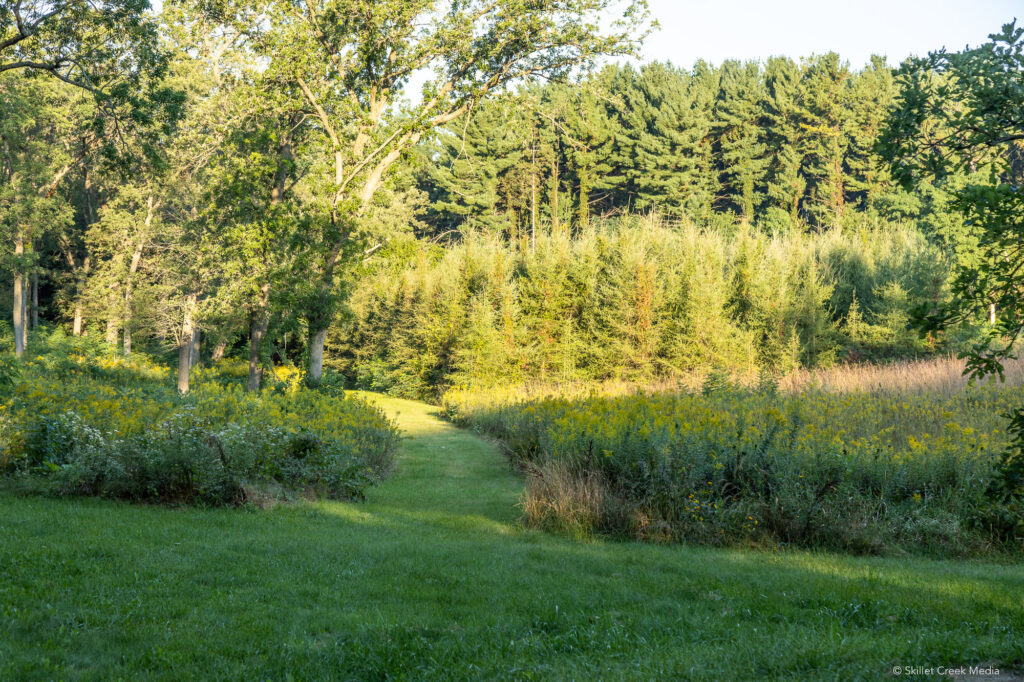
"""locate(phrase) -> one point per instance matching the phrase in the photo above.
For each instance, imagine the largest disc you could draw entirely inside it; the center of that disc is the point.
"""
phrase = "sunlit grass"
(873, 465)
(433, 578)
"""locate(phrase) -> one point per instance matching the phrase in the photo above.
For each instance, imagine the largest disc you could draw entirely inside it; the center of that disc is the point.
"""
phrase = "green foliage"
(959, 122)
(786, 145)
(88, 423)
(94, 46)
(214, 592)
(8, 371)
(8, 366)
(185, 459)
(886, 472)
(1005, 513)
(638, 301)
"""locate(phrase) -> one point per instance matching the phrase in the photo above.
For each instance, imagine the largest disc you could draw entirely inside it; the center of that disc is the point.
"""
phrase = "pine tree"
(872, 93)
(785, 183)
(473, 160)
(825, 109)
(662, 154)
(742, 152)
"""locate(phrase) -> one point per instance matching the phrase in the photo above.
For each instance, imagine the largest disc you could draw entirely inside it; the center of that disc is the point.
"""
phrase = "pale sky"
(715, 30)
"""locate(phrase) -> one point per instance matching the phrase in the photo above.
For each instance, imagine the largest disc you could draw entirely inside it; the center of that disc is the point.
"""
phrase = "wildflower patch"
(80, 424)
(861, 472)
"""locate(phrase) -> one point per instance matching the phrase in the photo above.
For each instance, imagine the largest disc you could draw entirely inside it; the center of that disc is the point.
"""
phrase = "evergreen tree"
(470, 168)
(741, 151)
(662, 152)
(785, 183)
(824, 108)
(871, 96)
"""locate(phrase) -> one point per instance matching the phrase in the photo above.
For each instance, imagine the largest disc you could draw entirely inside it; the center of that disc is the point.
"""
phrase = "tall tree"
(40, 147)
(785, 182)
(475, 156)
(965, 110)
(824, 99)
(743, 152)
(871, 95)
(663, 149)
(346, 63)
(108, 49)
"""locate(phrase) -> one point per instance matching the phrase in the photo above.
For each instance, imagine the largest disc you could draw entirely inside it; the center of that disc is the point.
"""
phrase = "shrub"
(8, 371)
(114, 427)
(884, 472)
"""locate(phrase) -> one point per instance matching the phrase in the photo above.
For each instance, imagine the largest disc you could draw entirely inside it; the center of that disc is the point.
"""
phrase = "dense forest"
(784, 145)
(213, 195)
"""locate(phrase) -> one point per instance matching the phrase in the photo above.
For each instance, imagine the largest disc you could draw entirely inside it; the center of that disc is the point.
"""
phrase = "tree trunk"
(257, 330)
(76, 327)
(127, 324)
(19, 298)
(185, 346)
(24, 313)
(112, 329)
(992, 314)
(316, 357)
(35, 300)
(583, 211)
(533, 199)
(194, 358)
(554, 193)
(127, 312)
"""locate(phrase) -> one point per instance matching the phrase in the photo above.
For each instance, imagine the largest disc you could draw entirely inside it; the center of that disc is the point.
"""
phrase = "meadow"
(681, 336)
(890, 460)
(423, 567)
(433, 578)
(79, 420)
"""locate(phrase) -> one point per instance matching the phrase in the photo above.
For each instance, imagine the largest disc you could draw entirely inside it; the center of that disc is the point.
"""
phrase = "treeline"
(224, 186)
(224, 170)
(637, 299)
(783, 145)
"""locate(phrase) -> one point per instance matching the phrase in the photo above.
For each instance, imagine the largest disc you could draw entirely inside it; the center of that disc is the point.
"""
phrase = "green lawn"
(434, 579)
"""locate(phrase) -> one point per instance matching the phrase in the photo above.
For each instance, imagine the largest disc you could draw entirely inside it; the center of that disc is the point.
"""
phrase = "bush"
(8, 371)
(114, 427)
(184, 460)
(868, 473)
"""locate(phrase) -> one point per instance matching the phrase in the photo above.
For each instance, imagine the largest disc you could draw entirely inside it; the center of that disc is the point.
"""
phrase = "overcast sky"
(715, 30)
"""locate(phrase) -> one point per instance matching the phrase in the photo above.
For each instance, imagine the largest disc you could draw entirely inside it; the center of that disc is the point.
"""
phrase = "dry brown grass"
(940, 375)
(559, 500)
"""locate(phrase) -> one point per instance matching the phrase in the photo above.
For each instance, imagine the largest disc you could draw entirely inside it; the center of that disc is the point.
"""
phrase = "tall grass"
(940, 375)
(944, 376)
(876, 460)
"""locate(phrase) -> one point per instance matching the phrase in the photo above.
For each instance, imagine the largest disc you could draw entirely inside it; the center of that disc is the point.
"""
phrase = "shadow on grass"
(434, 579)
(365, 592)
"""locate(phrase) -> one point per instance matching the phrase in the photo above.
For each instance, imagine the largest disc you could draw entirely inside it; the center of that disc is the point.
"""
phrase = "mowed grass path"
(433, 579)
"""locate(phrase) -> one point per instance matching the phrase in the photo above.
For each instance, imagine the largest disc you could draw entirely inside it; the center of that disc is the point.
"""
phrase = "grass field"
(433, 578)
